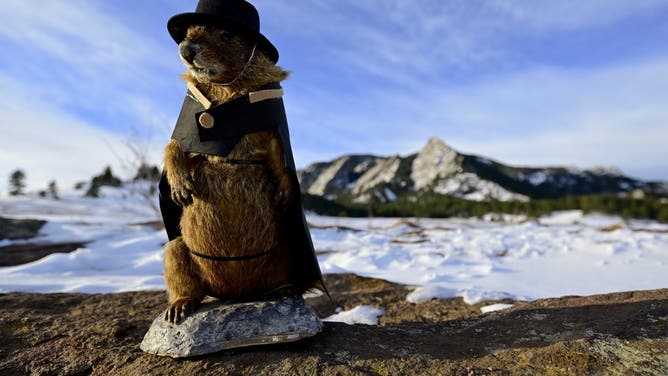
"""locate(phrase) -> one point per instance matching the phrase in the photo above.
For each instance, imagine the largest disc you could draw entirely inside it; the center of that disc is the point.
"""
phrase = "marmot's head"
(214, 55)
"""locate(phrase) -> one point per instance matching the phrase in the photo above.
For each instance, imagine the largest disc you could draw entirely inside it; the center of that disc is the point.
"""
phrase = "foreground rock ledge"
(612, 334)
(221, 326)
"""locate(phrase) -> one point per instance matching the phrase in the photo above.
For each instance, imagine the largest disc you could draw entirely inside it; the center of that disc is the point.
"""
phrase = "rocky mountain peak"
(442, 170)
(435, 160)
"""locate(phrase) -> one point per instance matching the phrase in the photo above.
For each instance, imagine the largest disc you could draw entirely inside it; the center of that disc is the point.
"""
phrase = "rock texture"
(220, 326)
(435, 160)
(613, 334)
(19, 254)
(19, 228)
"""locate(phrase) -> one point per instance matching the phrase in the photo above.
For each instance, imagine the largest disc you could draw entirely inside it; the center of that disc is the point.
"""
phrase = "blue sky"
(533, 82)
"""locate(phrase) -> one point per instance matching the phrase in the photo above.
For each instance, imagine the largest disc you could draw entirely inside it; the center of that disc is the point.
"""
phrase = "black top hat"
(235, 15)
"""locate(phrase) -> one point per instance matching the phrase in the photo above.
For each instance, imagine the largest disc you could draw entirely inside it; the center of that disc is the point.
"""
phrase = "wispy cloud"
(76, 80)
(48, 143)
(581, 118)
(84, 59)
(613, 116)
(393, 39)
(82, 35)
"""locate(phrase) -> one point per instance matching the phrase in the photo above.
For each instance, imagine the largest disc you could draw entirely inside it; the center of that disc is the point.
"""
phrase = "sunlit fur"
(221, 59)
(229, 210)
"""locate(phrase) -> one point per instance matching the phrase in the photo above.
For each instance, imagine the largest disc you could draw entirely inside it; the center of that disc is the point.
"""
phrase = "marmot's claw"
(178, 310)
(183, 198)
(183, 195)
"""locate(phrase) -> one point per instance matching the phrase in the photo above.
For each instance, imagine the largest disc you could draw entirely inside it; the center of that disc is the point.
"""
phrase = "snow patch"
(470, 187)
(534, 178)
(390, 195)
(495, 307)
(362, 314)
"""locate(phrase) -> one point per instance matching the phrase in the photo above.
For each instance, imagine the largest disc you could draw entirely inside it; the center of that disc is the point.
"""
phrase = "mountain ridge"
(442, 170)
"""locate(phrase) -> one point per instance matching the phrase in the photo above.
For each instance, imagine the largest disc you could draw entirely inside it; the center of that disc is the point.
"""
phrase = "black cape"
(232, 120)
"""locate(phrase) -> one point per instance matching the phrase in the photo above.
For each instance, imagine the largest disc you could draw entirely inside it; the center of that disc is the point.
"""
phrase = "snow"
(390, 195)
(537, 178)
(470, 187)
(362, 314)
(566, 253)
(494, 307)
(121, 254)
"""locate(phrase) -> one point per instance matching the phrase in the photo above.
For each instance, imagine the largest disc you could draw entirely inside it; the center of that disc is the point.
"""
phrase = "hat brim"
(178, 27)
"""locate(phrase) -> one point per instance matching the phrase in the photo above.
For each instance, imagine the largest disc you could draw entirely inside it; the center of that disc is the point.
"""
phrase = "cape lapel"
(230, 121)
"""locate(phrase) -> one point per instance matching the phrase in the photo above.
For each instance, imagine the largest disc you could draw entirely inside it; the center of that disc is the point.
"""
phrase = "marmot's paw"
(178, 310)
(183, 193)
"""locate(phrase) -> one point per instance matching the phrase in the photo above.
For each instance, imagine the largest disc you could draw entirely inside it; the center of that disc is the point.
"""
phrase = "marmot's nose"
(189, 50)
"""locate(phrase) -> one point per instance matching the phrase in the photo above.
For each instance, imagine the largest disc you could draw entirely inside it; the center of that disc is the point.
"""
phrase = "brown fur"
(229, 210)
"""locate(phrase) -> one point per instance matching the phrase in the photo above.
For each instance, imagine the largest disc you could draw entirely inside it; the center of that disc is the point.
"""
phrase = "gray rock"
(19, 228)
(220, 326)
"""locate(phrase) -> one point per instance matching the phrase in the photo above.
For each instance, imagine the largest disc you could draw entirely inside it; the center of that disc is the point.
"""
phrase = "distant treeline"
(438, 206)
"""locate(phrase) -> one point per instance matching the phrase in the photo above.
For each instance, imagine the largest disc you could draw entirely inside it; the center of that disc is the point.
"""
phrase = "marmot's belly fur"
(237, 216)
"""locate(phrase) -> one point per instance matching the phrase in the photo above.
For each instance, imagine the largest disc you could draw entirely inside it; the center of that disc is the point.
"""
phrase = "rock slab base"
(222, 326)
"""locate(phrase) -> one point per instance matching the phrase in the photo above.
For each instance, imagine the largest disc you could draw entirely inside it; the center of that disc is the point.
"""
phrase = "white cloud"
(614, 116)
(80, 34)
(50, 144)
(78, 56)
(75, 80)
(578, 117)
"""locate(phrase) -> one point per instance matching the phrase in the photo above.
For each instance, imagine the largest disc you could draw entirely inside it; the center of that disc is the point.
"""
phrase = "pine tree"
(106, 178)
(148, 172)
(53, 189)
(17, 183)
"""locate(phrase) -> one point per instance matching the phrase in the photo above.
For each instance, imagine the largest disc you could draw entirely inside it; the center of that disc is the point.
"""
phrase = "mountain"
(441, 170)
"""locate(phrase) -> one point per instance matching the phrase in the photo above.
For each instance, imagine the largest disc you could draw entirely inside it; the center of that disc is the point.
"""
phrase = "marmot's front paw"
(183, 193)
(178, 310)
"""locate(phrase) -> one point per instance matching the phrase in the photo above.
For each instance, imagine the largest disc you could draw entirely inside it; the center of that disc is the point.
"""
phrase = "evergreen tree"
(53, 189)
(106, 178)
(148, 172)
(17, 183)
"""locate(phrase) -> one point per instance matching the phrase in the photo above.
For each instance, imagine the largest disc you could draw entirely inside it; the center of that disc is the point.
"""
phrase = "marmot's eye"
(226, 37)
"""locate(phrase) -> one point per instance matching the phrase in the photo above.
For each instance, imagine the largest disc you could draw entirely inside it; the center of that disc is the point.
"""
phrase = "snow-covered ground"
(562, 254)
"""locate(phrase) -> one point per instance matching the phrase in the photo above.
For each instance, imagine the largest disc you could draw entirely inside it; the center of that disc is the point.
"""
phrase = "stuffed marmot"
(230, 197)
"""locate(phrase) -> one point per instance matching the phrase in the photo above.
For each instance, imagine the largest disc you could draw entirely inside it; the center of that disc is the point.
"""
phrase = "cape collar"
(269, 91)
(215, 130)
